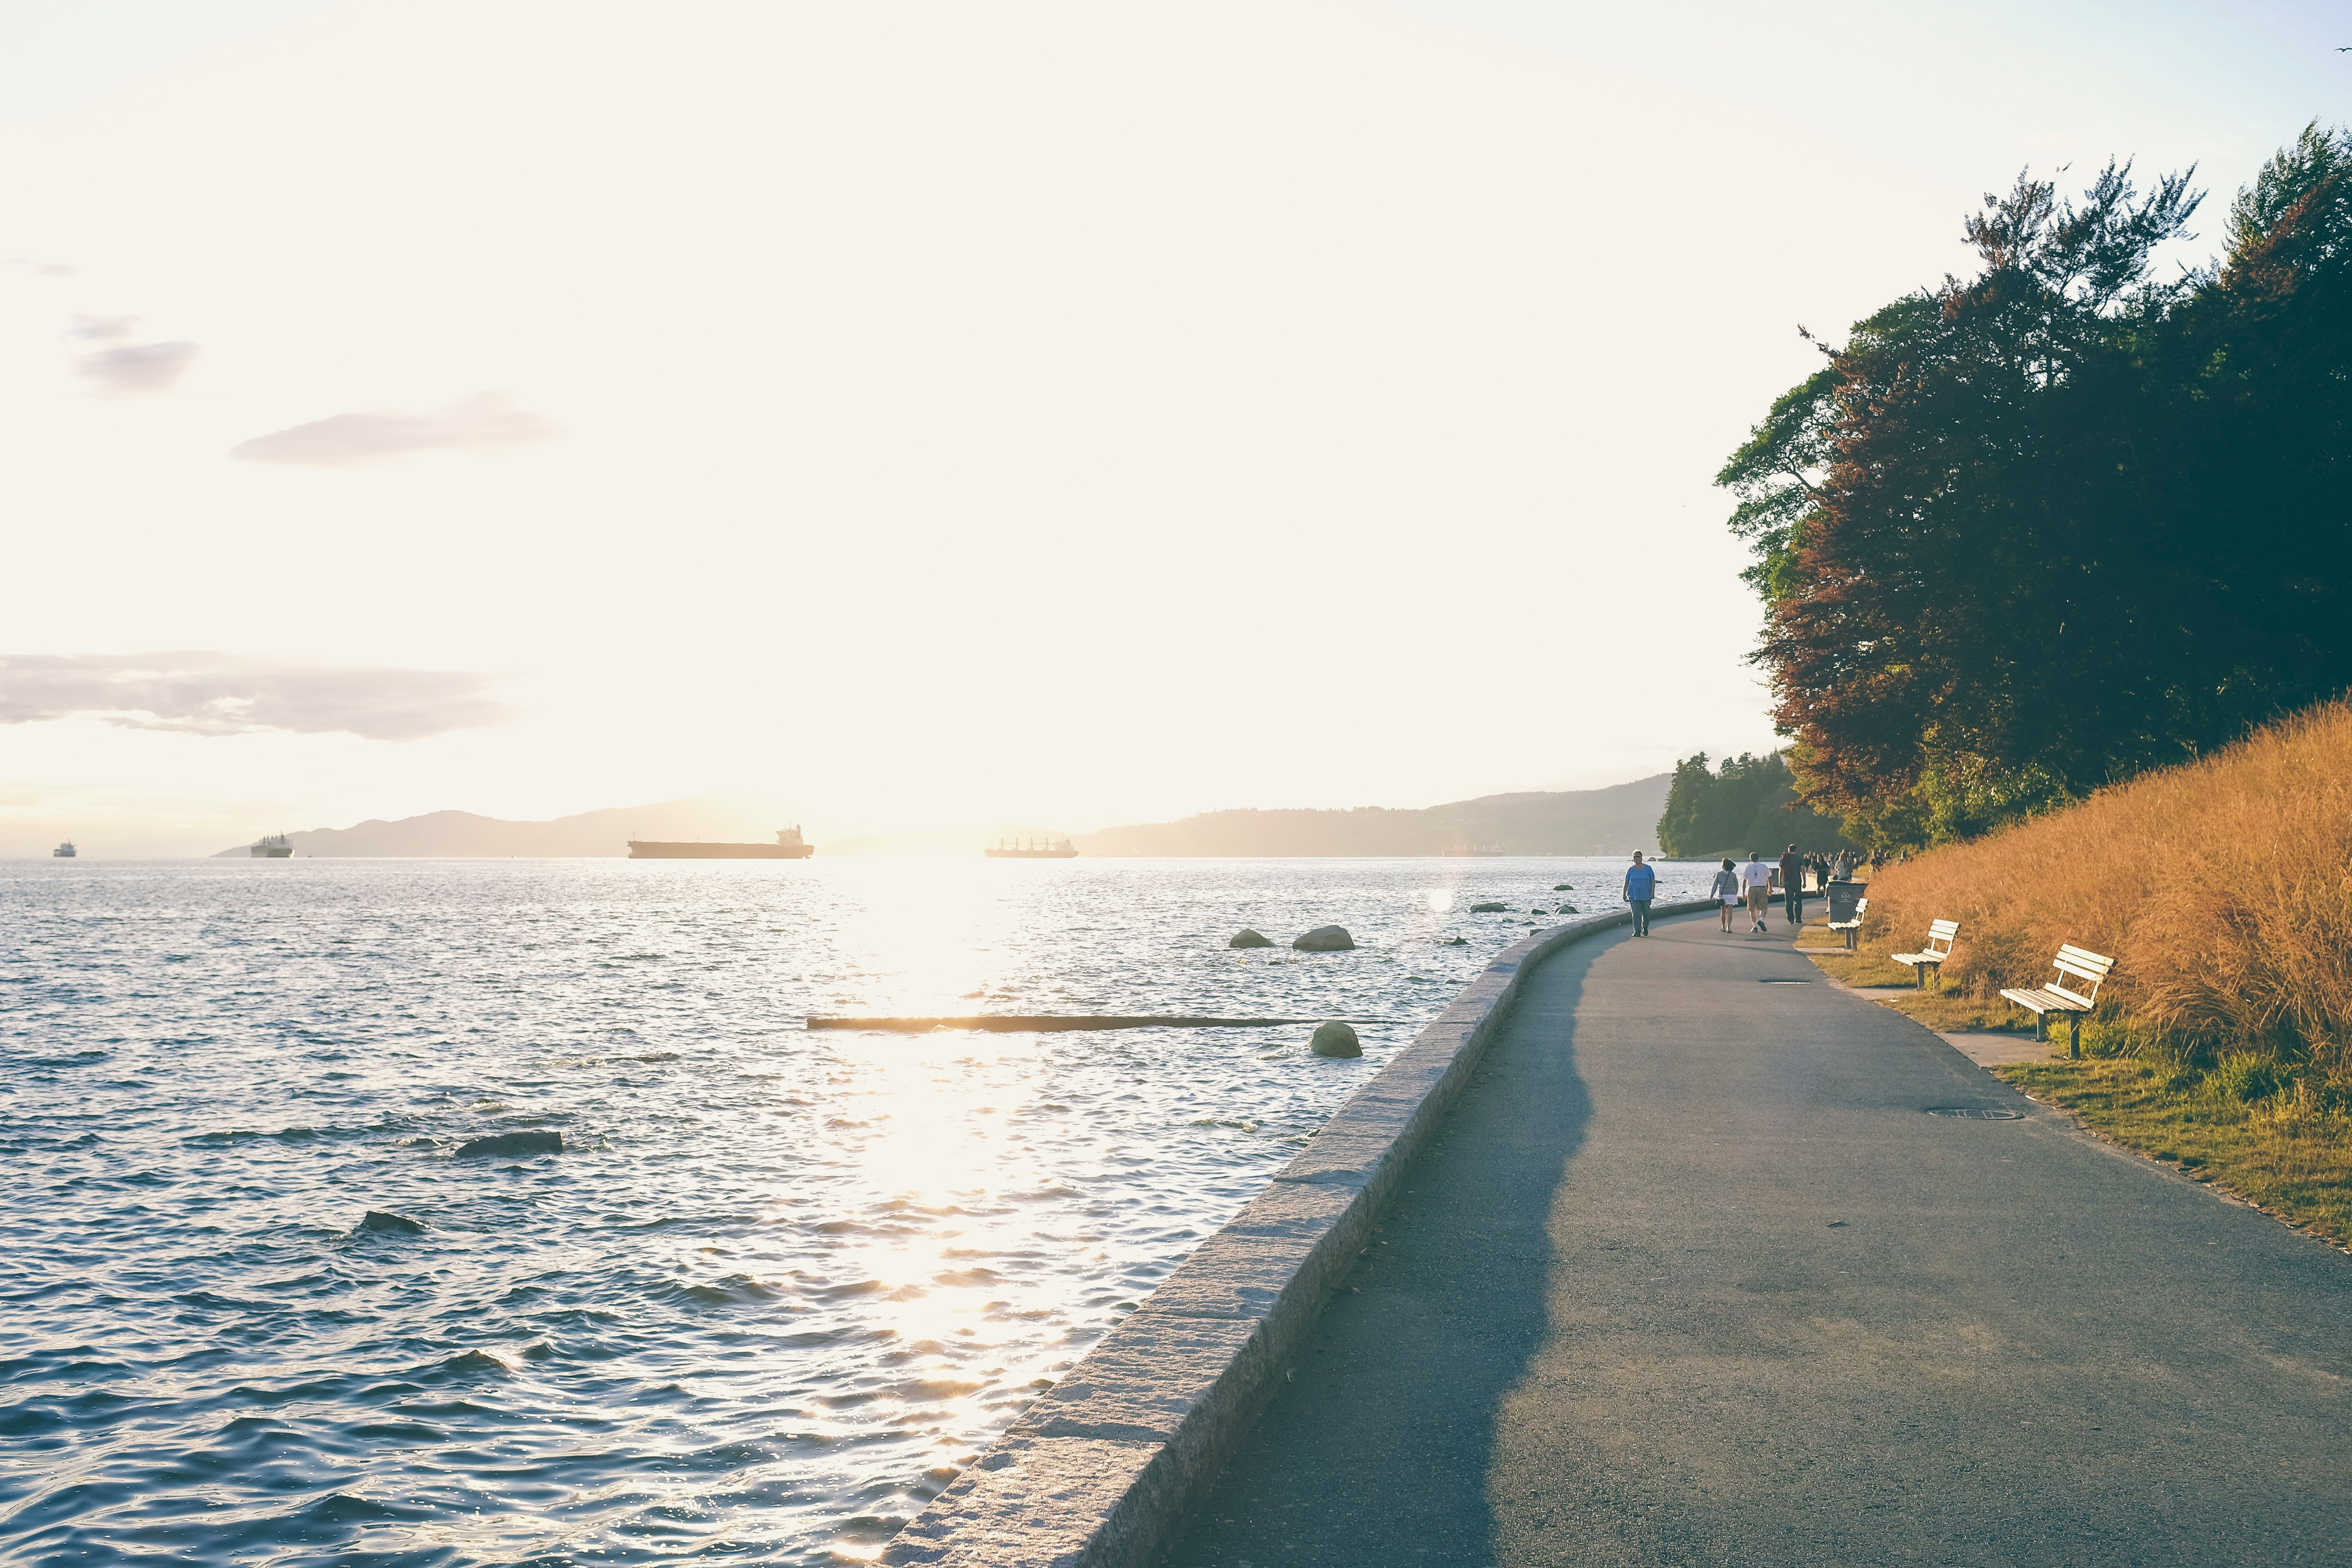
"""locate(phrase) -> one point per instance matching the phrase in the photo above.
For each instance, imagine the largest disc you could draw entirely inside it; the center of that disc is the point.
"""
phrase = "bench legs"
(2073, 1032)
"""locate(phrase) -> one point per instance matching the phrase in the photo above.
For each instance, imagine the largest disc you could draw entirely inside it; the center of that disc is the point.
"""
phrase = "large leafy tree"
(2046, 526)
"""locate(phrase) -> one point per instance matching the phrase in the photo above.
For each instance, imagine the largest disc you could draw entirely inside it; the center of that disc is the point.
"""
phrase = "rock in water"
(1247, 937)
(1490, 908)
(1326, 939)
(1562, 887)
(513, 1143)
(1457, 942)
(397, 1223)
(1335, 1039)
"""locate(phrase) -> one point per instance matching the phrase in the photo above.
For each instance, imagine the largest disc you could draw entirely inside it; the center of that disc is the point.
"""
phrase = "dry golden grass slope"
(2222, 888)
(2224, 891)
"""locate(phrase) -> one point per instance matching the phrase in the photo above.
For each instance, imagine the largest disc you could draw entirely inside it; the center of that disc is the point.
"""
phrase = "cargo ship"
(1031, 849)
(65, 851)
(789, 846)
(277, 846)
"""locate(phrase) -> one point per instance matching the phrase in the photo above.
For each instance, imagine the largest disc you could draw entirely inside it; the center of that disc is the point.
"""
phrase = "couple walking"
(1752, 884)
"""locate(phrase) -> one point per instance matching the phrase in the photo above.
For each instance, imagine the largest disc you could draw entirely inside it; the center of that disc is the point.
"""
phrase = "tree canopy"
(2039, 529)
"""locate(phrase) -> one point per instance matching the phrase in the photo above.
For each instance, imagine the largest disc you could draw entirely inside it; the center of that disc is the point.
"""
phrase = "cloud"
(135, 370)
(102, 329)
(199, 694)
(485, 422)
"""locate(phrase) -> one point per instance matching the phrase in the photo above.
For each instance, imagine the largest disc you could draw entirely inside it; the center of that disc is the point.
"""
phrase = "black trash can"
(1843, 896)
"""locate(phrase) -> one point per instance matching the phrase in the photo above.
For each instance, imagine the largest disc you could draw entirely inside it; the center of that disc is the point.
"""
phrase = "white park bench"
(2075, 963)
(1931, 956)
(1851, 929)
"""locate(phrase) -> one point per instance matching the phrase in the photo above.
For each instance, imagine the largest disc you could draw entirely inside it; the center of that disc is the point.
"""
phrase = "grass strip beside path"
(2265, 1136)
(2293, 1163)
(1862, 968)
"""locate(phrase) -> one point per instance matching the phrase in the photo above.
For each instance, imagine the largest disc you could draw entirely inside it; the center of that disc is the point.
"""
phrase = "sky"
(929, 413)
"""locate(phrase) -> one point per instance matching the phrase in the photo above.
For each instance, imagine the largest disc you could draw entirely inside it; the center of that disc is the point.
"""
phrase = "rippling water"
(781, 1284)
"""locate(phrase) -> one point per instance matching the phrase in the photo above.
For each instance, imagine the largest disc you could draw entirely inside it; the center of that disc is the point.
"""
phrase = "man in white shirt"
(1757, 878)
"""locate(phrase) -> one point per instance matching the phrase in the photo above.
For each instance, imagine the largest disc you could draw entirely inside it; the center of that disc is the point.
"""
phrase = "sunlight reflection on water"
(781, 1284)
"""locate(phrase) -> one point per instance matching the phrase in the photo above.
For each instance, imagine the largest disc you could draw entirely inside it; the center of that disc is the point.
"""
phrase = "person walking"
(1727, 895)
(1757, 878)
(1641, 886)
(1792, 887)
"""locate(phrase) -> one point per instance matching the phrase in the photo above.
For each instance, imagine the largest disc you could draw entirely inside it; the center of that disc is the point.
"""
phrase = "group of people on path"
(1750, 885)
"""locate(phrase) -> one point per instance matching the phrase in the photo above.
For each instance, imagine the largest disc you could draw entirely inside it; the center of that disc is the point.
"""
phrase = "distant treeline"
(2045, 527)
(1747, 803)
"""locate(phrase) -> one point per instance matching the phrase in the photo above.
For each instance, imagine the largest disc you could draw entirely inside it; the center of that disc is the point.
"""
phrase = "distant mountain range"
(1612, 821)
(722, 818)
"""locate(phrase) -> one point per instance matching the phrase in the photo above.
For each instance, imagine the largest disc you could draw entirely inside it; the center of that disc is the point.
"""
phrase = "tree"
(2043, 528)
(1749, 803)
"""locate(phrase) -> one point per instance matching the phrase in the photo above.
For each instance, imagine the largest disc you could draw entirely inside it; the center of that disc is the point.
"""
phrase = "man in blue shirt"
(1641, 886)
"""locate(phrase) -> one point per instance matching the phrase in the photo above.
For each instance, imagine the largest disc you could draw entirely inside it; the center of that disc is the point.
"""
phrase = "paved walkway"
(1689, 1279)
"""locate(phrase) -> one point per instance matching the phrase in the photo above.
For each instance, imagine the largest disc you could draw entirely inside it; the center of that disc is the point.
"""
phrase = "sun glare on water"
(780, 1282)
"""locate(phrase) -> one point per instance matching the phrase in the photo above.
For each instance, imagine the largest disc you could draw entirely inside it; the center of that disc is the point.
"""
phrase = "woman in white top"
(1727, 891)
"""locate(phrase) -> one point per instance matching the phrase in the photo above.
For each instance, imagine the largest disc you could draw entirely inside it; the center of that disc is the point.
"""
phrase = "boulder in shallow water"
(1490, 908)
(512, 1143)
(1562, 887)
(1335, 1039)
(1326, 939)
(1248, 938)
(392, 1224)
(1455, 941)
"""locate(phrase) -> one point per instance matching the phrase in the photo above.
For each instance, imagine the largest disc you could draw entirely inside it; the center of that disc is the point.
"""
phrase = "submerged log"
(1049, 1023)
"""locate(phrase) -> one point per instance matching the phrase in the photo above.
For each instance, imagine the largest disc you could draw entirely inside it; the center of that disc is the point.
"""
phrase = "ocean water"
(781, 1284)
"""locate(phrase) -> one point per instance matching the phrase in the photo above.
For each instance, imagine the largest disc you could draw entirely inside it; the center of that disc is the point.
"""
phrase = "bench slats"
(1943, 928)
(2053, 1000)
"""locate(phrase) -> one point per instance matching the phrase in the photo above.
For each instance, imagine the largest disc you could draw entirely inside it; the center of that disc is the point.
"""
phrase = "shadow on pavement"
(1439, 1318)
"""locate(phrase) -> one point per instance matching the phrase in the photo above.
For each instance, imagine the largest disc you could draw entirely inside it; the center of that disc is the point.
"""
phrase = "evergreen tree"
(1749, 802)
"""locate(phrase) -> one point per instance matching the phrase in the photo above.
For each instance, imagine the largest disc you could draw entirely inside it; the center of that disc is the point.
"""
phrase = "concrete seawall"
(1098, 1473)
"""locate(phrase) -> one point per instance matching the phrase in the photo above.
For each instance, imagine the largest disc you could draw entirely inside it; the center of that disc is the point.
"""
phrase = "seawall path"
(1688, 1274)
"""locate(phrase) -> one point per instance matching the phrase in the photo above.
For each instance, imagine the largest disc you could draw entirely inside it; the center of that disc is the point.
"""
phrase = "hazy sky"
(926, 413)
